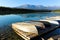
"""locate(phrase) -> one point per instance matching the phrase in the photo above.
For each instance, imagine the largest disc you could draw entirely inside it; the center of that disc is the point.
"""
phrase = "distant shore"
(7, 10)
(56, 10)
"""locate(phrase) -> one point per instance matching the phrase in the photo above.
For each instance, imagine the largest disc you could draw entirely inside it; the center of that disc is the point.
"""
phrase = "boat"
(56, 37)
(30, 29)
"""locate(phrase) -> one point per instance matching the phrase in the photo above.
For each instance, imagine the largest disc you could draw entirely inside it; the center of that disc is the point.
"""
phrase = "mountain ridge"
(38, 7)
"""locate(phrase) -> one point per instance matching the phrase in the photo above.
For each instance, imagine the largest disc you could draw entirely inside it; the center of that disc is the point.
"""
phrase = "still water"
(13, 18)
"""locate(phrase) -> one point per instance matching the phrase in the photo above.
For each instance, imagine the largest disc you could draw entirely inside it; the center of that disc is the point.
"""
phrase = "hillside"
(56, 11)
(7, 10)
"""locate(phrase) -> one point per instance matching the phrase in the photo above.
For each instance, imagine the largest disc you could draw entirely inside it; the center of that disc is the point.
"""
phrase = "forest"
(8, 10)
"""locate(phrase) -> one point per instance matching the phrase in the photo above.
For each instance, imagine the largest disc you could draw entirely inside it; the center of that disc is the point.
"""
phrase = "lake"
(6, 20)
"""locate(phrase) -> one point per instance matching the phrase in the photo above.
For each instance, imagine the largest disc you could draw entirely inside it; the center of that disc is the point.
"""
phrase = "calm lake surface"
(6, 20)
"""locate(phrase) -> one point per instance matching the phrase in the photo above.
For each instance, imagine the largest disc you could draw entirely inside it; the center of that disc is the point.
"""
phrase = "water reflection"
(9, 19)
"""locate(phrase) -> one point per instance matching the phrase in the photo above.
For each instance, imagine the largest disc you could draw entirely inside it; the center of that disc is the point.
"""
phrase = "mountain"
(53, 8)
(38, 7)
(34, 7)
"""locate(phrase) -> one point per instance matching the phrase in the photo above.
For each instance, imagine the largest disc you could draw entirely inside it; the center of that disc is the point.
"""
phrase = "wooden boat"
(31, 29)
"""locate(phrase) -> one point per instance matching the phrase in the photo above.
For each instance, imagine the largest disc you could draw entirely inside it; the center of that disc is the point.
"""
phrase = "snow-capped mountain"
(38, 7)
(35, 7)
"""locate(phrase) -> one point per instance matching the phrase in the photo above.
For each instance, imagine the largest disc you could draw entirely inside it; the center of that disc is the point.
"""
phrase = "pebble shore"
(6, 33)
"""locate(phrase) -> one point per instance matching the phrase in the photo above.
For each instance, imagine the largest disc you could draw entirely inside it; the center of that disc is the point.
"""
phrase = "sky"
(15, 3)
